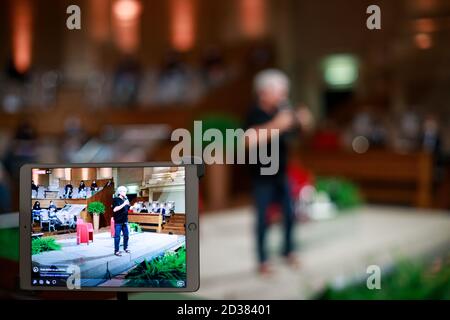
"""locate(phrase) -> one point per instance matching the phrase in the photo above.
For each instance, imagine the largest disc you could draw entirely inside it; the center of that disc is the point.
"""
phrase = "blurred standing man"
(272, 111)
(121, 205)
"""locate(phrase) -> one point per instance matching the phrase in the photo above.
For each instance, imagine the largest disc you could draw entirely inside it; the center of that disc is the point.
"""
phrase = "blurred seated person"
(143, 209)
(52, 215)
(171, 207)
(163, 209)
(214, 70)
(68, 190)
(155, 207)
(52, 207)
(432, 143)
(409, 131)
(37, 206)
(138, 206)
(36, 211)
(34, 188)
(126, 82)
(82, 186)
(431, 136)
(82, 190)
(173, 79)
(94, 186)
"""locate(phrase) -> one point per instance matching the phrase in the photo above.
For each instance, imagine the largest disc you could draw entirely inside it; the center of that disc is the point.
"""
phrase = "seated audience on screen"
(37, 206)
(52, 207)
(94, 186)
(82, 186)
(68, 190)
(82, 190)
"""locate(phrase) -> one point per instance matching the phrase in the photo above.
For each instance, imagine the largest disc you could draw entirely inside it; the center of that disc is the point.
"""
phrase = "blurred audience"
(126, 82)
(431, 135)
(409, 131)
(175, 81)
(213, 67)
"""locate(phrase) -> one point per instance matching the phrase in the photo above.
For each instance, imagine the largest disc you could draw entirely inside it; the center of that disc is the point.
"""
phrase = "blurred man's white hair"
(270, 78)
(120, 189)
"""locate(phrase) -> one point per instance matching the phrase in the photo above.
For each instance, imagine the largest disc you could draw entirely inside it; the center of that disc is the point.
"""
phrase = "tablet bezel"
(192, 236)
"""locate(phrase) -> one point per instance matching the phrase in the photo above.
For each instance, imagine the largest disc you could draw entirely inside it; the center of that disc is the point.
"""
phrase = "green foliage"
(44, 244)
(168, 268)
(221, 122)
(96, 207)
(135, 227)
(343, 193)
(408, 281)
(9, 243)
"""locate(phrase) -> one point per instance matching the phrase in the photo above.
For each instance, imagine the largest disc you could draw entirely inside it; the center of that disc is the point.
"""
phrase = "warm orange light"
(127, 10)
(35, 173)
(253, 17)
(425, 5)
(67, 174)
(85, 174)
(182, 15)
(126, 22)
(105, 173)
(425, 25)
(35, 178)
(58, 173)
(22, 34)
(423, 41)
(99, 19)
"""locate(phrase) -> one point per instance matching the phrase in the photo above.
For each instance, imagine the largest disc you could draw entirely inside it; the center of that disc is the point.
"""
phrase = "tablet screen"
(108, 227)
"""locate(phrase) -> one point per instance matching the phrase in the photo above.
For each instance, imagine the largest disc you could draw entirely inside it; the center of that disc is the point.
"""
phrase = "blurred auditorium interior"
(138, 69)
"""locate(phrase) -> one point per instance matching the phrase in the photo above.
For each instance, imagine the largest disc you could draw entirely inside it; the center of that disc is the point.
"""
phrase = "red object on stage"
(85, 232)
(326, 140)
(113, 229)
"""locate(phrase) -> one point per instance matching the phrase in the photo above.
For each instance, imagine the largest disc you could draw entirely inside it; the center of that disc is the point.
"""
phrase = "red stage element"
(85, 232)
(113, 229)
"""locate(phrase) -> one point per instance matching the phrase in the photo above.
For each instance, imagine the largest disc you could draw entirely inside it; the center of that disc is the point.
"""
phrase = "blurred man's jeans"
(266, 193)
(120, 227)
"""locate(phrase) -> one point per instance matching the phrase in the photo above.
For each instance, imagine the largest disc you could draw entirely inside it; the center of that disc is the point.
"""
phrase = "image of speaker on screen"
(111, 234)
(121, 205)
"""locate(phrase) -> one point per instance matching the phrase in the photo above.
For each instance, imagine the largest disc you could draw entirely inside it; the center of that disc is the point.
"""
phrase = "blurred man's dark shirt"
(256, 117)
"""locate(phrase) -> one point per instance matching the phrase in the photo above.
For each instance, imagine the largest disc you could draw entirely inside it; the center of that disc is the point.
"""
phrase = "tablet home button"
(192, 226)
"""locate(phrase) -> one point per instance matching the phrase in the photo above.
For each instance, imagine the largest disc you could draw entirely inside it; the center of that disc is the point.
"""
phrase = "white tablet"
(109, 227)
